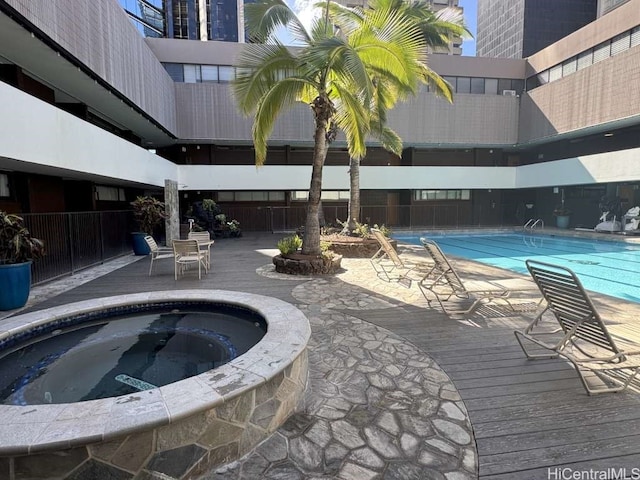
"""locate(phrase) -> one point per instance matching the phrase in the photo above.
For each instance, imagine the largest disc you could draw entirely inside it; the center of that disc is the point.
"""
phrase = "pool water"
(123, 354)
(611, 268)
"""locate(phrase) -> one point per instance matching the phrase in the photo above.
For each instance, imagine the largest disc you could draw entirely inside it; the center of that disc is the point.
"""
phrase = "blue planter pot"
(140, 247)
(15, 283)
(562, 221)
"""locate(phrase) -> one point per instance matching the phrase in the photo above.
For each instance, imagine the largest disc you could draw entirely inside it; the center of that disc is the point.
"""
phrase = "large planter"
(562, 221)
(299, 264)
(140, 246)
(15, 283)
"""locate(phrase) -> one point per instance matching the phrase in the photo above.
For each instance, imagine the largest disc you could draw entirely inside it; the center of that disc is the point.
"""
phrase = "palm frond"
(259, 66)
(282, 95)
(352, 118)
(389, 139)
(263, 18)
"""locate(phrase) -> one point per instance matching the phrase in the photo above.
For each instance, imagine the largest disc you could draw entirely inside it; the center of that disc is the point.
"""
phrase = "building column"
(172, 208)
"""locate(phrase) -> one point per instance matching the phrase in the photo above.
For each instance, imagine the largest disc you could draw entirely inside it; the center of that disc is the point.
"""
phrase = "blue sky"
(304, 9)
(470, 16)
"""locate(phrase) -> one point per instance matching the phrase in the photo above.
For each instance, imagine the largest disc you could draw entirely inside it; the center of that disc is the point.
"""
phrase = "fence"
(454, 215)
(74, 241)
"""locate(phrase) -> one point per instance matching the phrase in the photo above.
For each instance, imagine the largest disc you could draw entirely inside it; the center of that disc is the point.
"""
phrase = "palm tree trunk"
(311, 243)
(354, 193)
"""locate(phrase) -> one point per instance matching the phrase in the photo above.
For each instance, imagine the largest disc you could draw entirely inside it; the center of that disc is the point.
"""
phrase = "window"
(555, 73)
(620, 43)
(329, 195)
(569, 66)
(250, 196)
(209, 73)
(226, 74)
(4, 185)
(602, 51)
(585, 59)
(477, 85)
(463, 85)
(110, 194)
(635, 37)
(491, 86)
(431, 195)
(192, 74)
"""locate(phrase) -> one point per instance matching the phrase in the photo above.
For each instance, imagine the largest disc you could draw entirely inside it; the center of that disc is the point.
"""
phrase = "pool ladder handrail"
(531, 223)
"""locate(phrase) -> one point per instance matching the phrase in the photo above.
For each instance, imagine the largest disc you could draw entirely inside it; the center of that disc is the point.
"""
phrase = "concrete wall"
(99, 35)
(208, 111)
(40, 138)
(602, 93)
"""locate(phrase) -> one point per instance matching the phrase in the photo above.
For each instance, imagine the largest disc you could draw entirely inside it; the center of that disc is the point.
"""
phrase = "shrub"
(209, 205)
(16, 243)
(386, 231)
(289, 244)
(148, 213)
(361, 230)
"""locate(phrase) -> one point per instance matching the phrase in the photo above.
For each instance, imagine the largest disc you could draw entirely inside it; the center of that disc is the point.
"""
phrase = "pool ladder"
(531, 224)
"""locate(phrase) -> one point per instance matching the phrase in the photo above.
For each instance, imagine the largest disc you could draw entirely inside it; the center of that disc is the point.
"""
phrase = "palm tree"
(437, 28)
(341, 75)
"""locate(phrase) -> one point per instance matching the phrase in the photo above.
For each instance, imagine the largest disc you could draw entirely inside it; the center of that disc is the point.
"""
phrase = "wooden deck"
(529, 418)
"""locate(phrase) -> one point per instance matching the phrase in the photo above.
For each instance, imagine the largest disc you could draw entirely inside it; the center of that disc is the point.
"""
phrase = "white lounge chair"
(582, 337)
(188, 252)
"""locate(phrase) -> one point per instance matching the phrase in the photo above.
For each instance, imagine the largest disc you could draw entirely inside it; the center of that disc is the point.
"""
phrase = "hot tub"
(181, 429)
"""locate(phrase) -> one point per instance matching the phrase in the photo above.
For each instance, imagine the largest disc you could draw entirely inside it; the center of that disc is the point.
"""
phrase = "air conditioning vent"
(509, 93)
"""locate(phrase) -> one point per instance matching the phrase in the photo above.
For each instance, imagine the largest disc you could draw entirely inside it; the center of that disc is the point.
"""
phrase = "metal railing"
(444, 215)
(532, 223)
(74, 241)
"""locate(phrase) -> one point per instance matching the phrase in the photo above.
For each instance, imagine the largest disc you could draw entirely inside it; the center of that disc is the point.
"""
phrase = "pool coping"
(41, 428)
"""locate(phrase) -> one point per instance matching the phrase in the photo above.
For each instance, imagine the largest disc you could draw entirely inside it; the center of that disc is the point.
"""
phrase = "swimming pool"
(612, 268)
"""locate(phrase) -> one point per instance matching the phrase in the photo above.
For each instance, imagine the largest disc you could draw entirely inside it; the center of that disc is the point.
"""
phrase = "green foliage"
(386, 231)
(234, 225)
(148, 213)
(16, 243)
(221, 218)
(209, 205)
(289, 245)
(362, 230)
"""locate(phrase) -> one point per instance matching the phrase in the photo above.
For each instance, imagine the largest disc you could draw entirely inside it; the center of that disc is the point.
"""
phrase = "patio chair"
(157, 253)
(390, 267)
(583, 337)
(443, 282)
(205, 242)
(188, 252)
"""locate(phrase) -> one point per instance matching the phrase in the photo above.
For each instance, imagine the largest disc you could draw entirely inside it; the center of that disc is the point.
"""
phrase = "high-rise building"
(520, 28)
(147, 15)
(188, 19)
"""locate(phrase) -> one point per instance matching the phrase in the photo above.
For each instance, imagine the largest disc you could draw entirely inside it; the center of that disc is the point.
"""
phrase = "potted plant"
(17, 251)
(563, 215)
(148, 213)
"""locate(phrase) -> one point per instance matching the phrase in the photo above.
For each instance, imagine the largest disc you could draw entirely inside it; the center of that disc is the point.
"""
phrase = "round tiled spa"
(180, 430)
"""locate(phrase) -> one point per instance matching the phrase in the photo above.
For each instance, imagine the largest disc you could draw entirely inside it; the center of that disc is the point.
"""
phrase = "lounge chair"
(390, 267)
(443, 282)
(157, 253)
(188, 252)
(583, 337)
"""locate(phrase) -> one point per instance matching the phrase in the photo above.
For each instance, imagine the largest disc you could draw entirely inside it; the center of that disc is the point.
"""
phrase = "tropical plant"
(289, 245)
(386, 231)
(16, 243)
(361, 230)
(209, 205)
(348, 77)
(148, 213)
(437, 29)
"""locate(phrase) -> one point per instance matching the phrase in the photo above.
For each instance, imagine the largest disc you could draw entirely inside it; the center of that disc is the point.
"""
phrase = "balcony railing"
(74, 241)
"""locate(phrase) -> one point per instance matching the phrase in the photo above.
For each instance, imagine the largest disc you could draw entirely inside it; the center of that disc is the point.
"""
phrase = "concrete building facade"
(93, 106)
